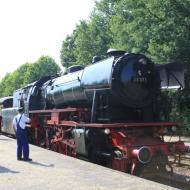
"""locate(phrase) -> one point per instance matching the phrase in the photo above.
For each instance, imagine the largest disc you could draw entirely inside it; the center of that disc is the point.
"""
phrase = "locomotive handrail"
(63, 123)
(59, 110)
(128, 125)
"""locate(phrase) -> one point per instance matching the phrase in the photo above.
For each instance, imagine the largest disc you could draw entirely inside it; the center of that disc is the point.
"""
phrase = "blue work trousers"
(22, 144)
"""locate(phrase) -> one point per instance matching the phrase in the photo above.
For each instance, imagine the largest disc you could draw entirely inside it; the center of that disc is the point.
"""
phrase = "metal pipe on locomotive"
(107, 112)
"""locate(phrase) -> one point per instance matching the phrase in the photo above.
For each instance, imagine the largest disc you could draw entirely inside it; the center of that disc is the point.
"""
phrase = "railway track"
(180, 178)
(174, 180)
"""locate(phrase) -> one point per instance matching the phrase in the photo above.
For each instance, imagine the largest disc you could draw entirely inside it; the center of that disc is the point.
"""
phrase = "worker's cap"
(20, 109)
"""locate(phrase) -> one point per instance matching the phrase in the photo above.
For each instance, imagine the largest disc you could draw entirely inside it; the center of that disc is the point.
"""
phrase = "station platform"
(52, 171)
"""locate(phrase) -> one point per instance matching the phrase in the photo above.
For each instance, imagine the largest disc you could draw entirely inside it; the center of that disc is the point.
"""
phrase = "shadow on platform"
(5, 139)
(6, 170)
(41, 164)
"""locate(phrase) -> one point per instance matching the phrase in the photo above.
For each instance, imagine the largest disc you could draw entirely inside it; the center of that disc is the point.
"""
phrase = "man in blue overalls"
(19, 126)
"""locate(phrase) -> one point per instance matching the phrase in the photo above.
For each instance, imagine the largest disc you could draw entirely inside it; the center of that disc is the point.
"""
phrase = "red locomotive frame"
(130, 151)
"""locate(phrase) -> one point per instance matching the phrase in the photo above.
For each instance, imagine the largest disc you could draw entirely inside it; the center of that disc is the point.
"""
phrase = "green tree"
(67, 56)
(157, 28)
(44, 66)
(5, 89)
(91, 37)
(27, 73)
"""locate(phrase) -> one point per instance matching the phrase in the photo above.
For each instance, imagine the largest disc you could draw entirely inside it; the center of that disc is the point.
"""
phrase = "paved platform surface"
(53, 171)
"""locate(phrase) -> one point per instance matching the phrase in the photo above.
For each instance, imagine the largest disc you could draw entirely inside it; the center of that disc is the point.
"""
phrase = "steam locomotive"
(108, 112)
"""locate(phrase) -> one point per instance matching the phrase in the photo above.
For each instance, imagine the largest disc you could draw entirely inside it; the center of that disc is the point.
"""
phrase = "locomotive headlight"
(174, 128)
(107, 131)
(118, 153)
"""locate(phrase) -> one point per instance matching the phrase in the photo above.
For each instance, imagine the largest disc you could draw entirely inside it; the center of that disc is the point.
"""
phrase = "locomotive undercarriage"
(136, 148)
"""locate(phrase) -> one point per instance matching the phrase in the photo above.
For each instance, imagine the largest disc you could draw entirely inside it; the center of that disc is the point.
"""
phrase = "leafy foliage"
(157, 28)
(27, 73)
(91, 37)
(44, 66)
(67, 52)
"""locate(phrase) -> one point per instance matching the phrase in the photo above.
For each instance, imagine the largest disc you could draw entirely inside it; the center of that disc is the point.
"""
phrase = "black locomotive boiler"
(129, 82)
(107, 112)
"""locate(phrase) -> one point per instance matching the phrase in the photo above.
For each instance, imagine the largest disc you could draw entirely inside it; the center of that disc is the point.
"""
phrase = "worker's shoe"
(27, 159)
(19, 158)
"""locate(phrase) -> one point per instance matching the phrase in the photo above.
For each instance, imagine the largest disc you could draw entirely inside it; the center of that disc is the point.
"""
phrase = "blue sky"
(31, 28)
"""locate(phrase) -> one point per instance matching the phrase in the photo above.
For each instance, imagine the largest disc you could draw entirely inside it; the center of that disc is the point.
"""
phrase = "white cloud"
(31, 28)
